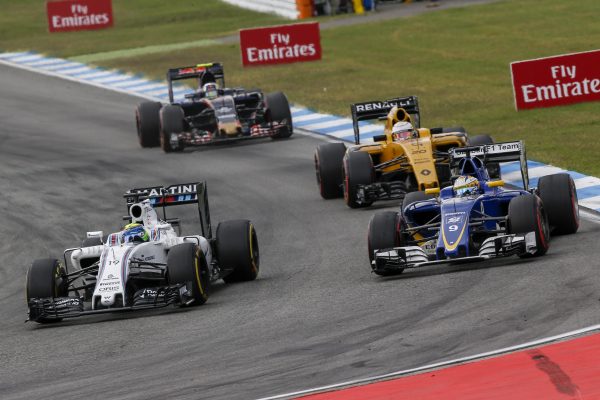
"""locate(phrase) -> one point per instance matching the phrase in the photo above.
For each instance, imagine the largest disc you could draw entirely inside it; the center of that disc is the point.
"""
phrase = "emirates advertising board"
(556, 81)
(76, 15)
(281, 44)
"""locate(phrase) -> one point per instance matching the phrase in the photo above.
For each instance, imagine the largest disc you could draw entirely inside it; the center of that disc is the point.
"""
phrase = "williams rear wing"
(209, 72)
(497, 152)
(175, 195)
(377, 109)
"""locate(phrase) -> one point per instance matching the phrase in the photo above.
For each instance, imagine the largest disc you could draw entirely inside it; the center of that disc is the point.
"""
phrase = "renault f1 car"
(230, 114)
(148, 264)
(391, 166)
(486, 223)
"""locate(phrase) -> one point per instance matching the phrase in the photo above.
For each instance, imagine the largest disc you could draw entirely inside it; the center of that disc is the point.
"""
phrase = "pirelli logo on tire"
(556, 81)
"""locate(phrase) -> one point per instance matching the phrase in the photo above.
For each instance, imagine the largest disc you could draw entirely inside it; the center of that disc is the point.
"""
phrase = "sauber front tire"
(526, 214)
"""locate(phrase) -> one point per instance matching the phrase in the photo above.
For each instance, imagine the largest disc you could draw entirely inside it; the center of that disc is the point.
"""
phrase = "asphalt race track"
(315, 316)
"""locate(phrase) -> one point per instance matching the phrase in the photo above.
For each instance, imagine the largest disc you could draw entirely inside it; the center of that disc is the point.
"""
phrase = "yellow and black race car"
(405, 158)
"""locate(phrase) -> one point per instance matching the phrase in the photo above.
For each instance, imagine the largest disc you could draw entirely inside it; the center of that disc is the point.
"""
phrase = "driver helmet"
(211, 90)
(402, 130)
(465, 186)
(134, 233)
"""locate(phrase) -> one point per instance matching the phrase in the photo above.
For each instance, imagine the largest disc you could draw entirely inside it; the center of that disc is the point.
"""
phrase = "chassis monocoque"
(496, 222)
(235, 114)
(389, 168)
(109, 274)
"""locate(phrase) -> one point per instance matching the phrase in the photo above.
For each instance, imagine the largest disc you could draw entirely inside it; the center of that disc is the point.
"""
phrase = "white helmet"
(402, 130)
(211, 90)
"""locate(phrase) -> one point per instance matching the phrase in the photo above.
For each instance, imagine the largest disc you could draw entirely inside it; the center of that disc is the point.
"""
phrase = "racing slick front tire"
(46, 279)
(237, 250)
(358, 170)
(526, 213)
(559, 196)
(147, 120)
(329, 158)
(278, 110)
(186, 264)
(383, 234)
(171, 121)
(492, 168)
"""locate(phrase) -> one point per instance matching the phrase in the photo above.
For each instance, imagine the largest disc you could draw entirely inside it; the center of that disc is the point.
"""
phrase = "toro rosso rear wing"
(209, 72)
(175, 195)
(497, 152)
(377, 109)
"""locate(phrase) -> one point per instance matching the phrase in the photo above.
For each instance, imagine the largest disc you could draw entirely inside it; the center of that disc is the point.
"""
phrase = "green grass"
(24, 26)
(456, 61)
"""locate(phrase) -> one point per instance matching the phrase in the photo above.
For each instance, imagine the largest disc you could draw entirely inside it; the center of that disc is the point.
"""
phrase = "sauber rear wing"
(175, 195)
(196, 71)
(497, 152)
(377, 109)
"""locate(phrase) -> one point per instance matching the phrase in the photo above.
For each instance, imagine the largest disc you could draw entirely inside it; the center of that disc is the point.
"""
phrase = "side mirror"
(496, 183)
(94, 234)
(432, 191)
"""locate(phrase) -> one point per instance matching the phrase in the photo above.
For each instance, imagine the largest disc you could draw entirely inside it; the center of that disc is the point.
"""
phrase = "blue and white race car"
(476, 218)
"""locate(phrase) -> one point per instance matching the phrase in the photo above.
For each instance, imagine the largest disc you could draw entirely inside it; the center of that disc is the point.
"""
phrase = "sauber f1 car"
(146, 265)
(476, 218)
(212, 114)
(393, 164)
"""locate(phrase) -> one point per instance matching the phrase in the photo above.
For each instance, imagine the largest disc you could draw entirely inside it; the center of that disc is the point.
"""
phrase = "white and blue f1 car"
(147, 264)
(479, 221)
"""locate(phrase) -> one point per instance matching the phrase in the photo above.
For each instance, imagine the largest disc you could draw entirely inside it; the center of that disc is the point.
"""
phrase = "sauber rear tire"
(329, 158)
(171, 121)
(46, 278)
(147, 121)
(186, 264)
(559, 196)
(383, 233)
(526, 213)
(237, 250)
(278, 110)
(358, 170)
(492, 168)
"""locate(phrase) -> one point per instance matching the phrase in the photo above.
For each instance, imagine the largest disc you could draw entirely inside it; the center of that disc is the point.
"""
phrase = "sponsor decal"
(425, 172)
(556, 81)
(498, 148)
(67, 302)
(280, 44)
(453, 227)
(75, 15)
(381, 105)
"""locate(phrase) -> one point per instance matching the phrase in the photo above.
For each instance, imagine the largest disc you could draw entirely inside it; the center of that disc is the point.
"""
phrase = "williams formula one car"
(146, 265)
(476, 218)
(405, 158)
(212, 114)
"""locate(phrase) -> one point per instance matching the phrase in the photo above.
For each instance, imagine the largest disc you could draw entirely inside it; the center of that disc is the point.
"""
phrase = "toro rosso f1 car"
(476, 218)
(146, 265)
(212, 114)
(395, 163)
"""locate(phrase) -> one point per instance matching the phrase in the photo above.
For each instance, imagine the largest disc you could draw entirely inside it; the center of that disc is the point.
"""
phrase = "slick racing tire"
(186, 264)
(237, 250)
(147, 120)
(171, 121)
(413, 197)
(46, 278)
(278, 110)
(559, 196)
(383, 234)
(526, 213)
(358, 170)
(329, 158)
(492, 168)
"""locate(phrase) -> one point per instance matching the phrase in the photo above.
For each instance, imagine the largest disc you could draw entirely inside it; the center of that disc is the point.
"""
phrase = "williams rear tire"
(237, 250)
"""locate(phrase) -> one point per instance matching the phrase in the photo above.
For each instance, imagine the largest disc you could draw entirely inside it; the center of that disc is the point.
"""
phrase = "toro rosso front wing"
(398, 258)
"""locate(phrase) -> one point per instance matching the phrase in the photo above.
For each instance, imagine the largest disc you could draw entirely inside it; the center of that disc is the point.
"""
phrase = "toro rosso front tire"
(559, 196)
(147, 120)
(526, 214)
(237, 250)
(171, 121)
(278, 110)
(186, 264)
(329, 158)
(46, 279)
(358, 170)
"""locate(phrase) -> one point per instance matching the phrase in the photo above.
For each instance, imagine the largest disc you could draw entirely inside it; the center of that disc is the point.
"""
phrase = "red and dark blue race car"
(476, 218)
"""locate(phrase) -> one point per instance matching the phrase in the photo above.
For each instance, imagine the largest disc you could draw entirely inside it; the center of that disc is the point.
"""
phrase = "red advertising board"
(280, 44)
(76, 15)
(556, 81)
